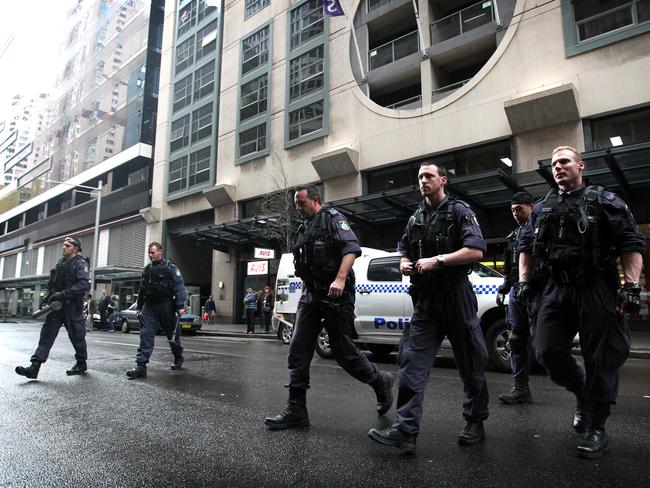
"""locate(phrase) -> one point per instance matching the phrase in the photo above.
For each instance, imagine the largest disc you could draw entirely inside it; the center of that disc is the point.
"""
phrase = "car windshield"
(133, 307)
(485, 272)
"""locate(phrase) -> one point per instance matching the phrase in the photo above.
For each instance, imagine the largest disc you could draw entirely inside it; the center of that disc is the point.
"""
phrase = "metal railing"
(463, 21)
(394, 50)
(403, 103)
(443, 91)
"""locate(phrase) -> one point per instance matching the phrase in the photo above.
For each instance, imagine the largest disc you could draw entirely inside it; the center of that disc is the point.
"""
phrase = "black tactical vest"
(316, 256)
(64, 275)
(157, 283)
(511, 256)
(570, 236)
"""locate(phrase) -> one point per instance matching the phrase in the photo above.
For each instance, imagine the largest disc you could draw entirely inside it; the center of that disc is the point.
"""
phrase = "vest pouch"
(565, 256)
(320, 253)
(442, 245)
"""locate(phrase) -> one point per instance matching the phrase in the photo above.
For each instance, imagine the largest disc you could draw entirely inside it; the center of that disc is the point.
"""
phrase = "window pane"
(252, 6)
(305, 120)
(186, 18)
(204, 81)
(182, 93)
(184, 55)
(631, 128)
(252, 140)
(255, 50)
(206, 40)
(253, 98)
(202, 122)
(199, 166)
(177, 174)
(180, 133)
(306, 73)
(306, 22)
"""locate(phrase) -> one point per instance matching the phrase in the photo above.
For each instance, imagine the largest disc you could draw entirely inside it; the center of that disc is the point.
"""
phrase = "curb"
(269, 336)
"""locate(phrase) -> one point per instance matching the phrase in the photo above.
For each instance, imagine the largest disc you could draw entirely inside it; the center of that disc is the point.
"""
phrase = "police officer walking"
(161, 300)
(574, 235)
(441, 241)
(67, 287)
(517, 312)
(325, 251)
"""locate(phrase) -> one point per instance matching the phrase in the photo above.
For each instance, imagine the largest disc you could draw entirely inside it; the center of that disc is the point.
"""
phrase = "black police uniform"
(445, 305)
(575, 238)
(517, 317)
(162, 293)
(321, 244)
(69, 277)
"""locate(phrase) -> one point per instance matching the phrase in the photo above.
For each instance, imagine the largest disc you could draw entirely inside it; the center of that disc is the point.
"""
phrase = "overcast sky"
(28, 65)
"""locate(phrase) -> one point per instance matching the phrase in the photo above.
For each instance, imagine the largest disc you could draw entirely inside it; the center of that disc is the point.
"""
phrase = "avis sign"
(257, 268)
(260, 253)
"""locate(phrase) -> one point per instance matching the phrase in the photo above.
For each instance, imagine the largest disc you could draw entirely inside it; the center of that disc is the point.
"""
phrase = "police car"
(383, 306)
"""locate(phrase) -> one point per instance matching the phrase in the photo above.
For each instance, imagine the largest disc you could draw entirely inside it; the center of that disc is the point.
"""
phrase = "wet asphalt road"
(203, 426)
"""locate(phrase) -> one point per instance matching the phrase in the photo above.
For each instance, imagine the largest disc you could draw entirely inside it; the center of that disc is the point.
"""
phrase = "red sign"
(258, 268)
(260, 253)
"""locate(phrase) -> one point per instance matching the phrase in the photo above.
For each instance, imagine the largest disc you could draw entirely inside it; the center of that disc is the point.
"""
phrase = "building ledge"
(332, 164)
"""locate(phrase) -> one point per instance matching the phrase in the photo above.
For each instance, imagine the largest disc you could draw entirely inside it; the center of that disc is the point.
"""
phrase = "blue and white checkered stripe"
(402, 288)
(485, 289)
(293, 287)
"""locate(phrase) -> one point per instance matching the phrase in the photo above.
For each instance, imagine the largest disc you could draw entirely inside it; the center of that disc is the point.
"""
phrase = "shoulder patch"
(332, 211)
(608, 195)
(343, 225)
(465, 204)
(545, 210)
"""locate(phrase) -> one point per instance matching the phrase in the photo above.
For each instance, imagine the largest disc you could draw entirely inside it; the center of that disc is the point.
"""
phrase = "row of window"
(183, 175)
(196, 47)
(192, 127)
(194, 86)
(192, 12)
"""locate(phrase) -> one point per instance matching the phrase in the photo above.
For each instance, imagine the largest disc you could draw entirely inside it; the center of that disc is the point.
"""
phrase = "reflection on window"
(199, 166)
(253, 98)
(597, 17)
(621, 129)
(182, 93)
(252, 6)
(186, 18)
(255, 50)
(206, 40)
(184, 55)
(180, 133)
(306, 22)
(177, 174)
(204, 81)
(384, 269)
(305, 120)
(306, 73)
(252, 140)
(202, 122)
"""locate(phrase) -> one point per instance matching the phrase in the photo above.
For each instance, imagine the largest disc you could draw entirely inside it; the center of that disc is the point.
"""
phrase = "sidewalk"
(235, 330)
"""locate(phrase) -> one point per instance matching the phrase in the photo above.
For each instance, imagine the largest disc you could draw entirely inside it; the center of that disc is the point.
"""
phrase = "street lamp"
(98, 189)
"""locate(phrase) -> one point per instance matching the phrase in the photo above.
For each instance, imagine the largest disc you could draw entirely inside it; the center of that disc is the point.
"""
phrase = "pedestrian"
(441, 241)
(267, 308)
(111, 313)
(575, 235)
(210, 308)
(67, 285)
(91, 309)
(325, 251)
(103, 309)
(161, 301)
(250, 305)
(517, 311)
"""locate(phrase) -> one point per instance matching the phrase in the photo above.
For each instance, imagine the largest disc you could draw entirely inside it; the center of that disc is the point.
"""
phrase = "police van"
(383, 306)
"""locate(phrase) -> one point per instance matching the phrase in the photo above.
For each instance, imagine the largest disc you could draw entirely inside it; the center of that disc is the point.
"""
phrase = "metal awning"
(102, 275)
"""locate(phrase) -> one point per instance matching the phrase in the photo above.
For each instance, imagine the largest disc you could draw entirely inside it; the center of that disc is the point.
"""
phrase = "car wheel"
(125, 326)
(496, 337)
(323, 345)
(380, 351)
(285, 331)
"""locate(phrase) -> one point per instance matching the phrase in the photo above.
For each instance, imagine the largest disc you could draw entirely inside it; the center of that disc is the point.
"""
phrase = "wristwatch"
(441, 259)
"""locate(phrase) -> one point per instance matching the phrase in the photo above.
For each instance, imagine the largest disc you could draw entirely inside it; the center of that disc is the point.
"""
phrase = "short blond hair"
(567, 148)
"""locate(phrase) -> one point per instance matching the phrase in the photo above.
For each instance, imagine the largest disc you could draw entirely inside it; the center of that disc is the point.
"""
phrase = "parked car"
(127, 320)
(383, 306)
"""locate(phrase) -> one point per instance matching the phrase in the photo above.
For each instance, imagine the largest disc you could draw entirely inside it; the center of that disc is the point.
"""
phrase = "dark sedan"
(127, 320)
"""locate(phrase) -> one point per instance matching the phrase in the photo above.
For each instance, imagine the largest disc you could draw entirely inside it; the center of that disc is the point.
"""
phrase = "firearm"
(53, 306)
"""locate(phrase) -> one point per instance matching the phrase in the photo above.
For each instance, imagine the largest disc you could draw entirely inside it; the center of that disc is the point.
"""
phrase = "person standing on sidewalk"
(161, 300)
(68, 284)
(210, 308)
(325, 251)
(517, 313)
(91, 309)
(267, 308)
(250, 305)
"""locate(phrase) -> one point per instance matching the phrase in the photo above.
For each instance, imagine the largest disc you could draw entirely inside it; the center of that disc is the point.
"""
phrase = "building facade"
(99, 139)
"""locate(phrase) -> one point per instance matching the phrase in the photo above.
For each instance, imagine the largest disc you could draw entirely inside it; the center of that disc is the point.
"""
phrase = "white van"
(383, 306)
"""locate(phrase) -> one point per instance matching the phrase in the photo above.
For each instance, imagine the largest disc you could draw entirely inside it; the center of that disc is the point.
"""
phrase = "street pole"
(93, 263)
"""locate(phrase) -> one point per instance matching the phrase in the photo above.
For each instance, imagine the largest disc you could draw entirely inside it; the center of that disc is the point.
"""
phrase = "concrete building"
(487, 88)
(100, 134)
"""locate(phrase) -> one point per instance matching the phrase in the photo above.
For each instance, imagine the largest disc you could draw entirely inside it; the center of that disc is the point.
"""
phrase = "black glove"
(524, 292)
(629, 298)
(502, 291)
(56, 297)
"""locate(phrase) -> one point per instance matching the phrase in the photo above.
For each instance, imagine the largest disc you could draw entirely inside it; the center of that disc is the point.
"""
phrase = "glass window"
(180, 135)
(202, 122)
(306, 22)
(253, 97)
(182, 93)
(184, 55)
(252, 140)
(305, 120)
(205, 9)
(177, 174)
(199, 166)
(206, 40)
(306, 73)
(621, 129)
(204, 81)
(375, 4)
(252, 6)
(384, 269)
(186, 18)
(255, 50)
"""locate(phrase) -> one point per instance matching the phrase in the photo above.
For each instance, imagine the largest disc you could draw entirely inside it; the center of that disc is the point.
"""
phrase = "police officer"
(517, 312)
(67, 286)
(325, 251)
(574, 235)
(161, 300)
(441, 241)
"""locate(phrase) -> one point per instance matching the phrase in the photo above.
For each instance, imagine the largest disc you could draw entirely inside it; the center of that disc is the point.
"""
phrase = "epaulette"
(332, 211)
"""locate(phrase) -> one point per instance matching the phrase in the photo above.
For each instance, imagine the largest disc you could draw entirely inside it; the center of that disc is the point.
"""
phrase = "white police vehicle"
(383, 306)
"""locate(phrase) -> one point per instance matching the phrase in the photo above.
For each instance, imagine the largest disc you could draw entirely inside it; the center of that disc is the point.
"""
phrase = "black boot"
(295, 415)
(140, 371)
(472, 433)
(394, 437)
(178, 362)
(581, 417)
(595, 443)
(78, 368)
(518, 394)
(383, 387)
(30, 372)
